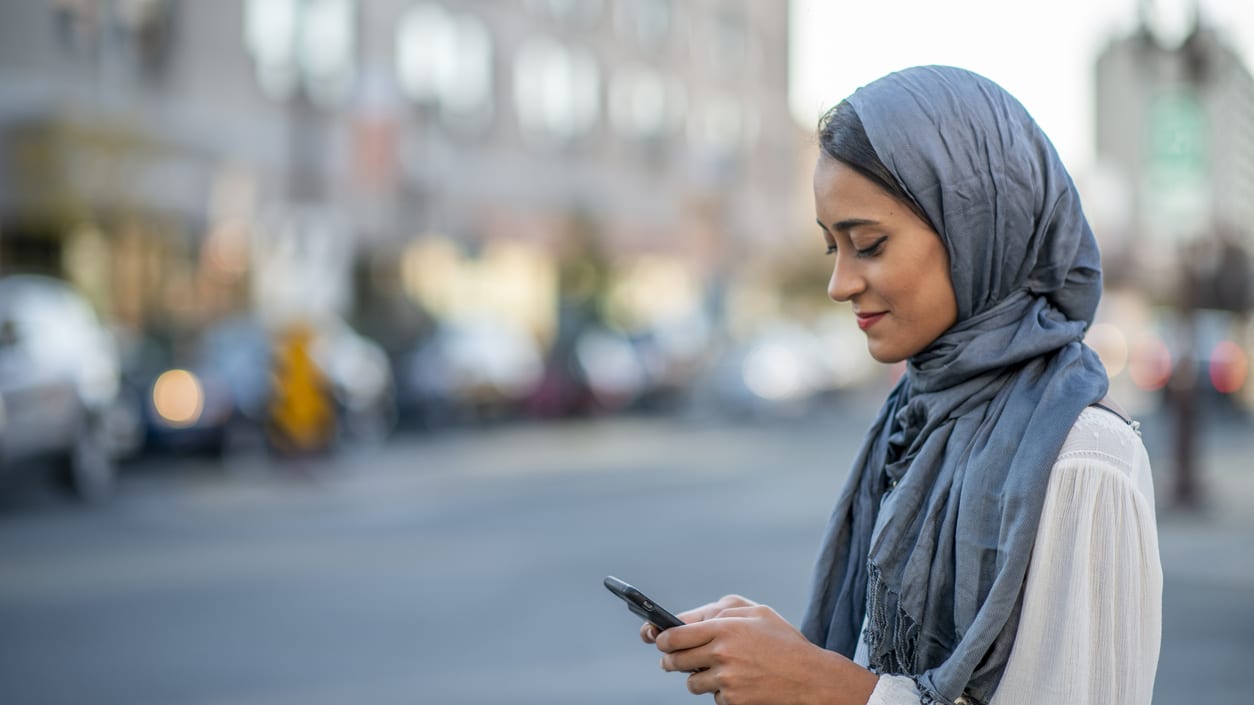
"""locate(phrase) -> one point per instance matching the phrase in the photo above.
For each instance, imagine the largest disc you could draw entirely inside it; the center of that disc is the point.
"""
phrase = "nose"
(847, 280)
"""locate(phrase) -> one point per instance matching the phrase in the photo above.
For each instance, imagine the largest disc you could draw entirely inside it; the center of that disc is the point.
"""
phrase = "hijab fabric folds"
(931, 536)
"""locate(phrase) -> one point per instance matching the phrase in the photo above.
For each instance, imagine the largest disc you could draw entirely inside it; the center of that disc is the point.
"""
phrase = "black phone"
(640, 604)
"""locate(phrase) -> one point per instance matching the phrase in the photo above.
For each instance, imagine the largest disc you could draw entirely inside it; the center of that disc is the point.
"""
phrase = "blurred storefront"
(396, 162)
(108, 208)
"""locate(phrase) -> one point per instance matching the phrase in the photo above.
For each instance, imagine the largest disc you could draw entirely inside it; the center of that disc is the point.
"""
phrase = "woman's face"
(890, 264)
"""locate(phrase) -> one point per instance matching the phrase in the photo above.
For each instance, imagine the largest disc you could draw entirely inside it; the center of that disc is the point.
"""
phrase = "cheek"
(921, 296)
(910, 290)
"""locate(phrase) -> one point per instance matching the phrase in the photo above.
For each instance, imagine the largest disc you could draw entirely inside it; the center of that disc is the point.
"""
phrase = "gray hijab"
(930, 538)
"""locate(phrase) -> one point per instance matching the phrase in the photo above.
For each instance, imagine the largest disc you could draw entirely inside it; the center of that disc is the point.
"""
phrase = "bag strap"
(1110, 405)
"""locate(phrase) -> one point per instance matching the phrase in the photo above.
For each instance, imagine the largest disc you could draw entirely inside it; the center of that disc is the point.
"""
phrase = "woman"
(996, 540)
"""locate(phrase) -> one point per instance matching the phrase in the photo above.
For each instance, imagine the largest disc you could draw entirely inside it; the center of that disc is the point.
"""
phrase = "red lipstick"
(866, 320)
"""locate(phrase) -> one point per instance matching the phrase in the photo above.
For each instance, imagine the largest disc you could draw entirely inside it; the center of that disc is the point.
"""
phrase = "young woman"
(996, 539)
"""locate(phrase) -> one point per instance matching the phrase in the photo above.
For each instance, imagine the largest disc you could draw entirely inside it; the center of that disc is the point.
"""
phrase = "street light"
(304, 53)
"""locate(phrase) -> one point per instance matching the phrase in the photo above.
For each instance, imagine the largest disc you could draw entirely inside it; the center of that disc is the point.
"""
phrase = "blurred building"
(1175, 144)
(183, 160)
(1175, 131)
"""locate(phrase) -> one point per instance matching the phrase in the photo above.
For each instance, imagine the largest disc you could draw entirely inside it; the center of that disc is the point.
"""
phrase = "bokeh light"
(178, 398)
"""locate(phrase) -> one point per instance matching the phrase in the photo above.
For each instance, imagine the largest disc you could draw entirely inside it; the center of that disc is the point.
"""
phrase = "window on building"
(444, 61)
(583, 13)
(649, 21)
(643, 104)
(556, 89)
(149, 26)
(326, 49)
(717, 126)
(143, 28)
(303, 45)
(270, 29)
(730, 41)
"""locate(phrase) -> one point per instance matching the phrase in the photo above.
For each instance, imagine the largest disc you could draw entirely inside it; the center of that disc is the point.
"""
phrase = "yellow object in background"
(302, 418)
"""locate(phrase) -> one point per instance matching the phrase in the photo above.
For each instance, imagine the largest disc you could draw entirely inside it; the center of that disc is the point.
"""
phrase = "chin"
(887, 357)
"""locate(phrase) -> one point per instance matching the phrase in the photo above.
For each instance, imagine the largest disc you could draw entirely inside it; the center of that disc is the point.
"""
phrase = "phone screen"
(642, 605)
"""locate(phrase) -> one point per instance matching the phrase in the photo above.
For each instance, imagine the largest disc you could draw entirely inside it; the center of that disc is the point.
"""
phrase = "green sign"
(1177, 134)
(1177, 166)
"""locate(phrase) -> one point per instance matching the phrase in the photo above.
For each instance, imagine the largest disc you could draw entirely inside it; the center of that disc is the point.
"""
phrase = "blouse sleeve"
(1091, 623)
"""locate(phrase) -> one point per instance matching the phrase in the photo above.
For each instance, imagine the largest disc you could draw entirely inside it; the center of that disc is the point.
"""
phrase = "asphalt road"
(465, 568)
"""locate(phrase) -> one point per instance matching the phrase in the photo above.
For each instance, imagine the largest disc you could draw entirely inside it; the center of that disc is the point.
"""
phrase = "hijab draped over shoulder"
(930, 539)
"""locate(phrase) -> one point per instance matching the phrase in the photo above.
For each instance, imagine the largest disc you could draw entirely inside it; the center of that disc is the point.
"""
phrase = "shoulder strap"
(1109, 405)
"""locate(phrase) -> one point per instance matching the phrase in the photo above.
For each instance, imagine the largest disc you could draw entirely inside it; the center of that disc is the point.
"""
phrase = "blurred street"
(367, 338)
(465, 567)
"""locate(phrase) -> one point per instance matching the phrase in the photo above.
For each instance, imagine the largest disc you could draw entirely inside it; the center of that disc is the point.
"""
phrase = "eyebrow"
(847, 224)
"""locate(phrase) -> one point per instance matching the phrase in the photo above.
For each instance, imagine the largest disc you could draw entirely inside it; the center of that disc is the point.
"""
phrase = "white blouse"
(1091, 622)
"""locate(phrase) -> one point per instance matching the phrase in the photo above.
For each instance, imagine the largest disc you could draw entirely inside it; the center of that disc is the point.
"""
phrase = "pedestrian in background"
(996, 540)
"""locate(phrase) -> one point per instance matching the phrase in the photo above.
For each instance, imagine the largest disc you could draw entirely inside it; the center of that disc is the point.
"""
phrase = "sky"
(1042, 51)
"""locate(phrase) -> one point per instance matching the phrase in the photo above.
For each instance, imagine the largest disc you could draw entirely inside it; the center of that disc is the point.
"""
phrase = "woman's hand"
(649, 633)
(749, 655)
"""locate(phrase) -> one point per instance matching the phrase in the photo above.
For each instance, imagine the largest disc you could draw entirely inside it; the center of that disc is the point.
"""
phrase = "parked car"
(217, 395)
(363, 387)
(784, 368)
(207, 394)
(58, 384)
(469, 371)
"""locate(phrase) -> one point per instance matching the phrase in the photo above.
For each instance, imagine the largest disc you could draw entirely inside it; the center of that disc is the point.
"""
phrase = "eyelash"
(871, 251)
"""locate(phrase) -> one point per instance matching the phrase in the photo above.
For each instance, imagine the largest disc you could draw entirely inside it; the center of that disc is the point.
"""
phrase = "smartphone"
(640, 604)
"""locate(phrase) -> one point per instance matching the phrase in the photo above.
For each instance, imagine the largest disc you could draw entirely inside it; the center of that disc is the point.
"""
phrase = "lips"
(866, 320)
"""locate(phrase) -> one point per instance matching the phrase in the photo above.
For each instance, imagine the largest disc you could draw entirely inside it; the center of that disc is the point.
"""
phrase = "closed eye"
(874, 248)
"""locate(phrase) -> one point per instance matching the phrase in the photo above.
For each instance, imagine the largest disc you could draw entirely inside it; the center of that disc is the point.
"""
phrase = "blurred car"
(1143, 351)
(469, 371)
(362, 384)
(218, 397)
(612, 366)
(208, 395)
(775, 371)
(58, 384)
(783, 369)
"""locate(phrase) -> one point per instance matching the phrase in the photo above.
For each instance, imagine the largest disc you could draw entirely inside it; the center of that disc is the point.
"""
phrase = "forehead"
(838, 186)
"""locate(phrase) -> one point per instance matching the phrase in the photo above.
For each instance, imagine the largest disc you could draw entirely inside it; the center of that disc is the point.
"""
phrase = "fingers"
(689, 636)
(730, 601)
(703, 682)
(746, 612)
(712, 610)
(648, 633)
(727, 606)
(700, 614)
(688, 661)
